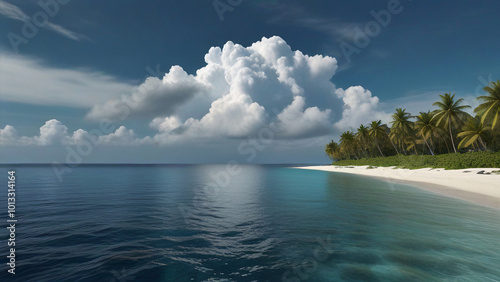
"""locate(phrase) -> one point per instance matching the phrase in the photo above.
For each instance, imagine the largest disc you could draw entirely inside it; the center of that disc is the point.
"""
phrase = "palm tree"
(450, 113)
(402, 127)
(426, 126)
(473, 131)
(363, 136)
(490, 109)
(388, 135)
(377, 132)
(412, 142)
(439, 133)
(348, 142)
(332, 150)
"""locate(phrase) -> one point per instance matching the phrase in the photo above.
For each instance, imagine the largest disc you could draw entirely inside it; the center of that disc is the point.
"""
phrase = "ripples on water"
(171, 223)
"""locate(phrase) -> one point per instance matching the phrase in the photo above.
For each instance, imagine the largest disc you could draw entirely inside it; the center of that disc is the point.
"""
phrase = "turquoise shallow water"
(259, 223)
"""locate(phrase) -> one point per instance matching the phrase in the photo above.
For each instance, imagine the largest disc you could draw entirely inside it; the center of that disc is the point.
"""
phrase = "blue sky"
(85, 57)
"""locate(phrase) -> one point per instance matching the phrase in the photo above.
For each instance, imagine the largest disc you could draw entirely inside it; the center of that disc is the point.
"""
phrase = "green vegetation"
(447, 161)
(490, 109)
(426, 140)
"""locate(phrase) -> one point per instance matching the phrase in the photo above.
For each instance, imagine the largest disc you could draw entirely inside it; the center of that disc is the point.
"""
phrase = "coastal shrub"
(447, 161)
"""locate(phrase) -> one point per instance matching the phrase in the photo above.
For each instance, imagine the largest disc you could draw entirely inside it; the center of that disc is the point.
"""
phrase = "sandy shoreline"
(465, 184)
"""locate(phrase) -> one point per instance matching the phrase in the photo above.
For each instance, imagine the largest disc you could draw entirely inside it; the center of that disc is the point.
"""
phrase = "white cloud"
(26, 80)
(238, 91)
(65, 32)
(165, 124)
(53, 132)
(232, 116)
(153, 97)
(123, 136)
(360, 107)
(294, 121)
(13, 12)
(8, 135)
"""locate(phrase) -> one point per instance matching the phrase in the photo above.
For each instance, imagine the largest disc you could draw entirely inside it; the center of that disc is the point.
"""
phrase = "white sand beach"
(465, 184)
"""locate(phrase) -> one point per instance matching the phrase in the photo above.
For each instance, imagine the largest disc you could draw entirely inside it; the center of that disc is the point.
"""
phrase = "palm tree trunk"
(402, 144)
(376, 143)
(362, 148)
(451, 136)
(392, 143)
(446, 143)
(355, 155)
(432, 144)
(427, 145)
(482, 143)
(364, 152)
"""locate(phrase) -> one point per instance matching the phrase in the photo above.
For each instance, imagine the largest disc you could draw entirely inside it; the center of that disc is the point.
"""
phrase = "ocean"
(239, 223)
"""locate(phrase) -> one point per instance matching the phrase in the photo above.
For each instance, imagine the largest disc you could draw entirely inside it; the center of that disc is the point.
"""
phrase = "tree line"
(447, 129)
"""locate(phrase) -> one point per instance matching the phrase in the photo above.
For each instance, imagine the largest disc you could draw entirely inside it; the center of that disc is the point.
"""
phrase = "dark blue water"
(259, 223)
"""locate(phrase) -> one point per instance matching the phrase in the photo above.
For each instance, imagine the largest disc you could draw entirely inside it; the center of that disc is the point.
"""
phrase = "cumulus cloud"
(153, 97)
(232, 116)
(295, 121)
(123, 136)
(53, 132)
(8, 135)
(238, 91)
(166, 125)
(360, 107)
